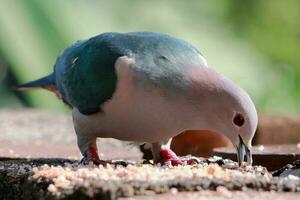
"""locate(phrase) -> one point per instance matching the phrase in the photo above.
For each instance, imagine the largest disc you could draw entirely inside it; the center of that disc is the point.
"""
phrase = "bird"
(147, 87)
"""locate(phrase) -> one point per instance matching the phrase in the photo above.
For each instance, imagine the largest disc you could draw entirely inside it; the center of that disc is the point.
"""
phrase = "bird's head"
(225, 108)
(241, 125)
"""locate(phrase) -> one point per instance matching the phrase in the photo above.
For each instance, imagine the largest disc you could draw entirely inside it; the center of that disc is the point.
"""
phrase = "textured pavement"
(35, 133)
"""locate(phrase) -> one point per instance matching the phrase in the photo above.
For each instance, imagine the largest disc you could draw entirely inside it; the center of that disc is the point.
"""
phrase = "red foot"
(92, 156)
(92, 153)
(167, 155)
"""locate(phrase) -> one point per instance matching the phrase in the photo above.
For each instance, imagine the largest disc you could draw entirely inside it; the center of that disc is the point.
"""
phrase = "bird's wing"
(85, 74)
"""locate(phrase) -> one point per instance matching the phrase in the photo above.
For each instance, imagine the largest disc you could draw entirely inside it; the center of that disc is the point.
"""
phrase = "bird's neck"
(198, 119)
(200, 111)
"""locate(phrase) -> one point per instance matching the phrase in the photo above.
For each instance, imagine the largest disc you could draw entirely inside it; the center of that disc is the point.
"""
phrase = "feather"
(46, 82)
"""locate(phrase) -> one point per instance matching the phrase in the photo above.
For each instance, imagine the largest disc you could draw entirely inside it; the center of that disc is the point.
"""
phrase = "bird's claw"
(194, 160)
(168, 157)
(182, 161)
(95, 161)
(91, 156)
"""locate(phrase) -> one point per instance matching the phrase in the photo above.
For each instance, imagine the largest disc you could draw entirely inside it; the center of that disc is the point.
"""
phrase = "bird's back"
(85, 72)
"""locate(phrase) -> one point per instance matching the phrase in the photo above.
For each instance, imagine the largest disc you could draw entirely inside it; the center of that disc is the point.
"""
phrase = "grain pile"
(67, 179)
(147, 178)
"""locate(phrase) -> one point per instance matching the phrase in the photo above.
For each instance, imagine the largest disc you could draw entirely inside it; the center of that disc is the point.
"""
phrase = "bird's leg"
(162, 153)
(91, 155)
(88, 149)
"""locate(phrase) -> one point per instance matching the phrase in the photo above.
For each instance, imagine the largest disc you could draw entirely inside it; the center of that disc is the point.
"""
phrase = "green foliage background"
(255, 43)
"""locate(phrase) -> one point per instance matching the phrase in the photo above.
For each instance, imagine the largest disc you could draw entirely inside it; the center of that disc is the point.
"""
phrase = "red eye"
(238, 120)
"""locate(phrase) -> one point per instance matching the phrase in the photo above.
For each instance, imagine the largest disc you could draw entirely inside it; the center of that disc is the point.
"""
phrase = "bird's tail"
(46, 82)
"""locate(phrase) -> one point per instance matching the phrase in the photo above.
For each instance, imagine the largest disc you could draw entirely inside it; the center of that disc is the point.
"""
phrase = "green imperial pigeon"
(147, 87)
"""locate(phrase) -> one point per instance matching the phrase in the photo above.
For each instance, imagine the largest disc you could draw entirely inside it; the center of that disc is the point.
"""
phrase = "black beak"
(241, 150)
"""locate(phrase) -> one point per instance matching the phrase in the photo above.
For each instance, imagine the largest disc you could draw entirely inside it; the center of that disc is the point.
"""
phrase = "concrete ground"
(35, 133)
(213, 195)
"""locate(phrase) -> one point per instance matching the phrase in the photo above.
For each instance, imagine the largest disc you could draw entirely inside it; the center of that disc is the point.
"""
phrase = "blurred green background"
(255, 43)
